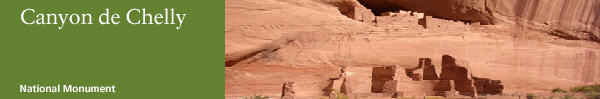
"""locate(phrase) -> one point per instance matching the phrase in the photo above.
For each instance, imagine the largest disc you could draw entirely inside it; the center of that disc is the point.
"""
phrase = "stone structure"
(388, 14)
(486, 86)
(445, 88)
(413, 72)
(389, 87)
(442, 24)
(372, 82)
(428, 69)
(288, 91)
(406, 19)
(361, 14)
(358, 80)
(465, 83)
(419, 15)
(443, 85)
(398, 20)
(460, 75)
(383, 79)
(429, 72)
(383, 21)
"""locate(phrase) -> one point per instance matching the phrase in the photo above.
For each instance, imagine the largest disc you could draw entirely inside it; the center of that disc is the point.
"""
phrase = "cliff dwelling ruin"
(452, 79)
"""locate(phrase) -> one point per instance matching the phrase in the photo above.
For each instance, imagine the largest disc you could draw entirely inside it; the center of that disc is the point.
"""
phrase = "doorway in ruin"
(381, 75)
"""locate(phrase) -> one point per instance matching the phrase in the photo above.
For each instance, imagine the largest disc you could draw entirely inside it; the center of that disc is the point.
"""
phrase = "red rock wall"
(563, 12)
(304, 34)
(579, 18)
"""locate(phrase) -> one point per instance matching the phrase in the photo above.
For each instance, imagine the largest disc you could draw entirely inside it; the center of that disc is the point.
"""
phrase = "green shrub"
(339, 95)
(435, 98)
(558, 90)
(593, 96)
(567, 97)
(336, 93)
(530, 96)
(258, 97)
(413, 97)
(586, 89)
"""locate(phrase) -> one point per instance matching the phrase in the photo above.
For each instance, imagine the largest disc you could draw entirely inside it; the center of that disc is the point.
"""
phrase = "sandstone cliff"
(570, 19)
(529, 45)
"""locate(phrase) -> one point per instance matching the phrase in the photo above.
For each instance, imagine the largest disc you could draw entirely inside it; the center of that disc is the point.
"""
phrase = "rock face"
(287, 91)
(571, 19)
(270, 42)
(578, 19)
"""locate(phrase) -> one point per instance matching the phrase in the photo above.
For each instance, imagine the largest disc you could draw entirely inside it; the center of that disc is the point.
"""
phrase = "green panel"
(143, 60)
